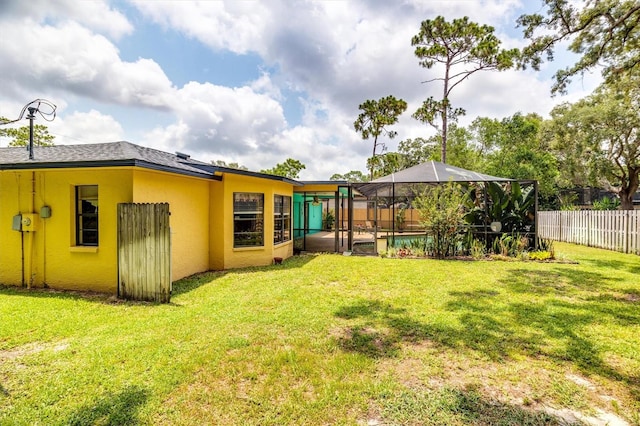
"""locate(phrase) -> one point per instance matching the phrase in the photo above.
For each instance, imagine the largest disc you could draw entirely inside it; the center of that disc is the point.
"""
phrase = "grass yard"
(330, 339)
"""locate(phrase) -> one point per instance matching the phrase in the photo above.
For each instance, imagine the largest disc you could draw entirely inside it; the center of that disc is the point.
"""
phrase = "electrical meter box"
(29, 222)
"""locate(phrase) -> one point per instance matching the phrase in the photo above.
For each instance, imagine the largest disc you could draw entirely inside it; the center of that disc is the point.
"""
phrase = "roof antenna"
(31, 117)
(46, 109)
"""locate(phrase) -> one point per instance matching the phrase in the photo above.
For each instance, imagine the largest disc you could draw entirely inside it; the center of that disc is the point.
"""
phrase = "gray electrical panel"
(45, 212)
(17, 223)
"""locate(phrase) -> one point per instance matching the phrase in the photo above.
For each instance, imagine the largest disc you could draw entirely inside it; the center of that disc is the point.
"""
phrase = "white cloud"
(70, 58)
(265, 85)
(223, 120)
(238, 26)
(85, 127)
(95, 15)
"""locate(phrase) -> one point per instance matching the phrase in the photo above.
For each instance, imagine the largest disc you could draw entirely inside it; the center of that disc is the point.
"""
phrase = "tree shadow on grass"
(462, 406)
(379, 329)
(193, 282)
(49, 293)
(550, 318)
(558, 281)
(112, 409)
(375, 336)
(577, 301)
(632, 266)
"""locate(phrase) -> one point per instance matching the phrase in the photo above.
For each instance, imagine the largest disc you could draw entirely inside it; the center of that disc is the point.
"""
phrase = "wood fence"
(614, 230)
(144, 252)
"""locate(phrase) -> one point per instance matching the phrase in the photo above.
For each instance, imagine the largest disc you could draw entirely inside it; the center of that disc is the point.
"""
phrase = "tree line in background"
(593, 142)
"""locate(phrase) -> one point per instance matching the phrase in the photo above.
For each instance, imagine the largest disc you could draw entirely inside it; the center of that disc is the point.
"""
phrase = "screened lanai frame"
(310, 206)
(390, 213)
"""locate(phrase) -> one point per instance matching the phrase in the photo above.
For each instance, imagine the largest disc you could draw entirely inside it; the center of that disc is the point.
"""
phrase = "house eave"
(107, 163)
(223, 170)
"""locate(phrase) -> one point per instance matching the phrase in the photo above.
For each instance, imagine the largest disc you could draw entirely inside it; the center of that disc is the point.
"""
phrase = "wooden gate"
(144, 252)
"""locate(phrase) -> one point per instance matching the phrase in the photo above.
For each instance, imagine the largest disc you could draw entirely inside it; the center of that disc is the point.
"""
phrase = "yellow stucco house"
(58, 213)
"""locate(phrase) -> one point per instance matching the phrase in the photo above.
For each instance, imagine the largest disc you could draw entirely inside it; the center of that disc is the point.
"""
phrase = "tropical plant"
(606, 203)
(507, 204)
(400, 217)
(477, 249)
(511, 245)
(545, 244)
(328, 218)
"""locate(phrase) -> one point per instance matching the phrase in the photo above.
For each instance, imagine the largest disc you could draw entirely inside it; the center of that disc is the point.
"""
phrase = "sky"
(250, 82)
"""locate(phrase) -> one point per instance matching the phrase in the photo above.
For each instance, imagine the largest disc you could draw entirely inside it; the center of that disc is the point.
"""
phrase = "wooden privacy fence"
(144, 252)
(614, 230)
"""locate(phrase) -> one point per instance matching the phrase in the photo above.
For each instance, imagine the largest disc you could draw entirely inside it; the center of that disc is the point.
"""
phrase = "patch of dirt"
(601, 418)
(426, 367)
(20, 351)
(30, 349)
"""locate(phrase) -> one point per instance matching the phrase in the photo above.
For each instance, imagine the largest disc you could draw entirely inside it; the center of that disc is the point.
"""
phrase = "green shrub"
(442, 214)
(546, 244)
(540, 255)
(512, 245)
(477, 249)
(606, 203)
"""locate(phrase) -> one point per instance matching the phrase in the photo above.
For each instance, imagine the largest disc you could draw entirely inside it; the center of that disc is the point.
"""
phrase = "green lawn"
(332, 339)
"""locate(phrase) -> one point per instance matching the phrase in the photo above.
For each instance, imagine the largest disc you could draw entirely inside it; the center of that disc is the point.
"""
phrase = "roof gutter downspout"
(30, 235)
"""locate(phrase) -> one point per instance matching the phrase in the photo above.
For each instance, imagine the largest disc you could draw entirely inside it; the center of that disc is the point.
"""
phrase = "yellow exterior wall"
(188, 199)
(201, 224)
(251, 256)
(217, 235)
(50, 255)
(12, 186)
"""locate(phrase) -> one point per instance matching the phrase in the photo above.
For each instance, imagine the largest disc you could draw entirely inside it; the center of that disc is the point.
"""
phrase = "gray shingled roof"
(115, 154)
(100, 154)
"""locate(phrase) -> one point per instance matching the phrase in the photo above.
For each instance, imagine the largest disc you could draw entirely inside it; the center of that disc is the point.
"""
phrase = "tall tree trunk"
(445, 110)
(373, 157)
(443, 155)
(627, 191)
(626, 199)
